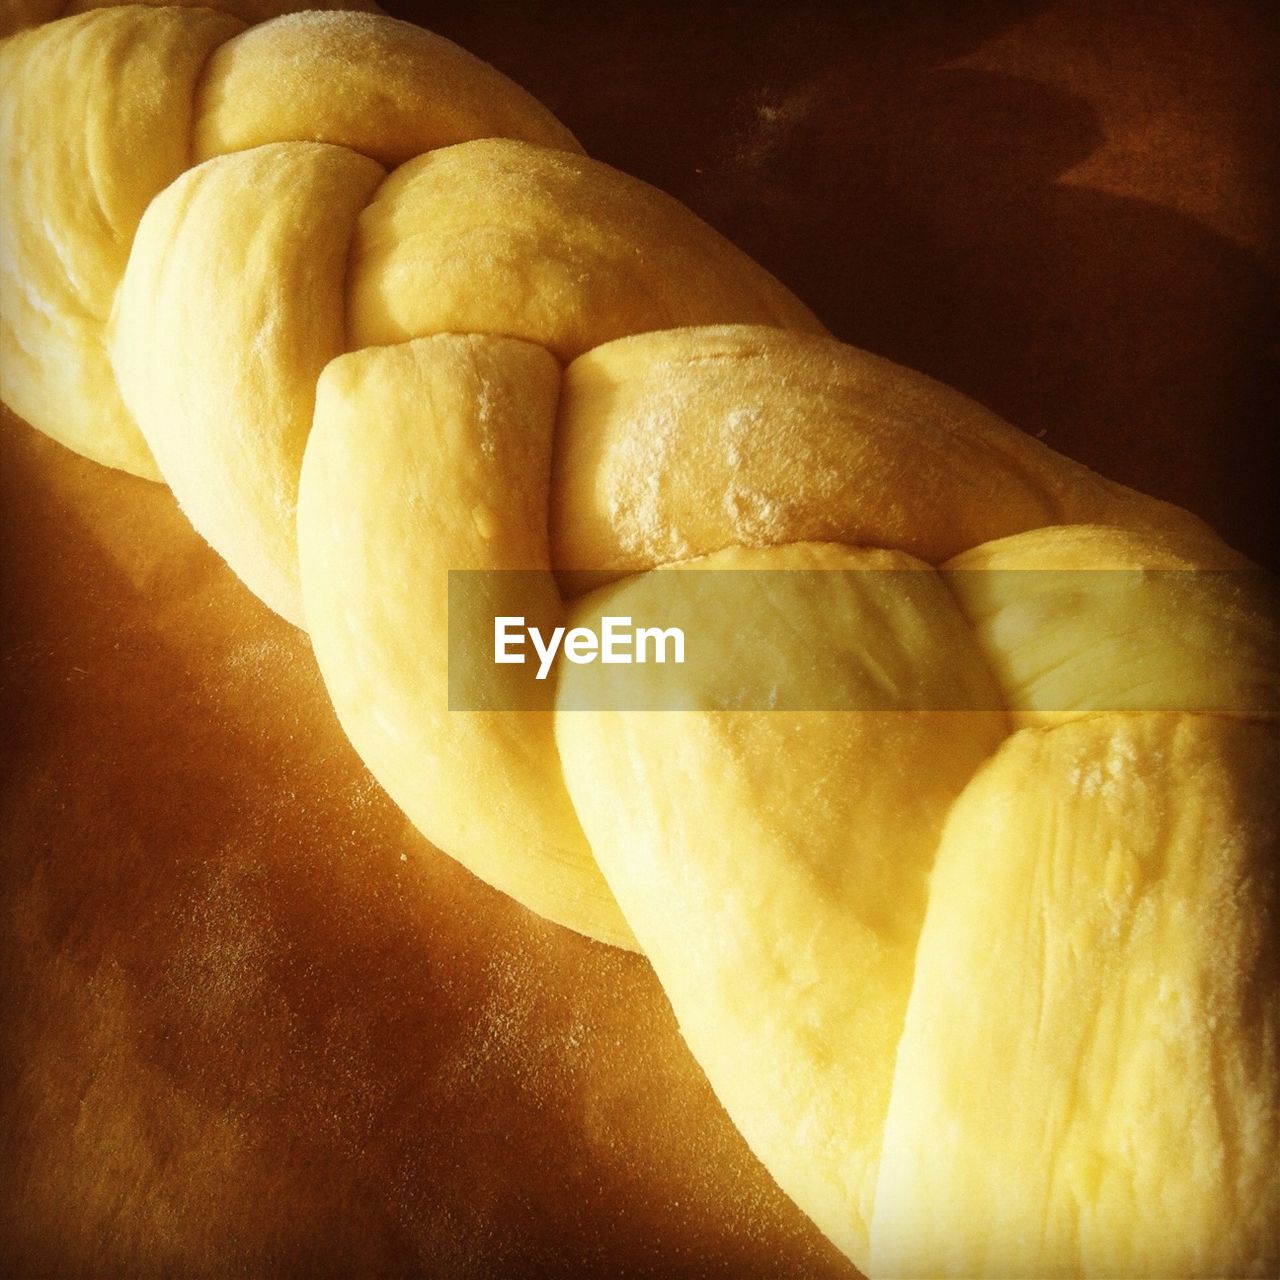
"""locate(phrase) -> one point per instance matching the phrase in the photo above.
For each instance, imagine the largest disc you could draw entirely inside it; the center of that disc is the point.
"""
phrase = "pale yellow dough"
(387, 89)
(1069, 598)
(1084, 618)
(254, 269)
(231, 306)
(677, 444)
(155, 90)
(245, 10)
(498, 236)
(426, 457)
(1088, 1077)
(774, 864)
(65, 239)
(985, 970)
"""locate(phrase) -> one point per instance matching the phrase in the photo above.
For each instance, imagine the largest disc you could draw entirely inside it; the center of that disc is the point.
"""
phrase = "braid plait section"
(985, 970)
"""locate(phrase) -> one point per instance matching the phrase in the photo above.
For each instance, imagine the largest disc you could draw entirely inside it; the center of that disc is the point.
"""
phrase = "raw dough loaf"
(985, 971)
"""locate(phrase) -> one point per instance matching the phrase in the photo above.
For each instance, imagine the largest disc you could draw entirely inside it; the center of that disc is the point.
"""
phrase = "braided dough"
(990, 992)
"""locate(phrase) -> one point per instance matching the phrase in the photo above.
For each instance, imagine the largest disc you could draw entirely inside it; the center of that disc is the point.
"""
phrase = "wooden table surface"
(257, 1026)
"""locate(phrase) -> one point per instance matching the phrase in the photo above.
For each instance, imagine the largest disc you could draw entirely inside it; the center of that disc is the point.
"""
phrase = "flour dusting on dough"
(635, 498)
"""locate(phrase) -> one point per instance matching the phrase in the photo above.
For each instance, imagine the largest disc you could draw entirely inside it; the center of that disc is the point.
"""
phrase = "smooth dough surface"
(1087, 1079)
(387, 89)
(426, 457)
(66, 240)
(979, 1008)
(498, 236)
(774, 864)
(249, 11)
(231, 306)
(156, 90)
(677, 444)
(1076, 619)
